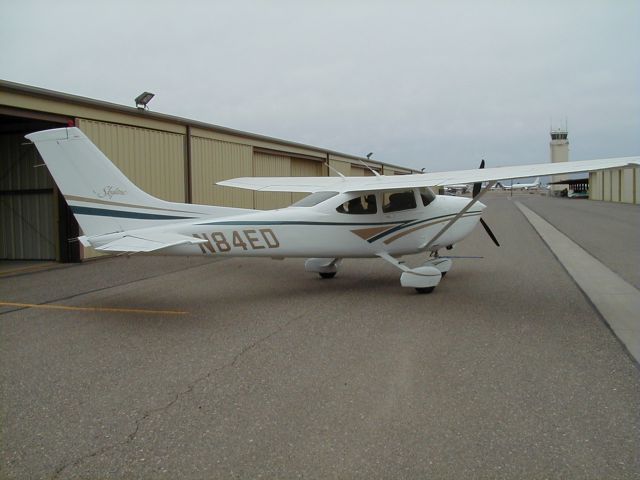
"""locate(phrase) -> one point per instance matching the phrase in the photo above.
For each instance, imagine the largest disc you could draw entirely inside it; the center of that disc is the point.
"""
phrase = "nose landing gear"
(424, 278)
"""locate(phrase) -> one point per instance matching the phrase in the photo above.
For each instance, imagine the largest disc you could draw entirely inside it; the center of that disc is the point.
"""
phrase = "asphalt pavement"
(241, 368)
(608, 231)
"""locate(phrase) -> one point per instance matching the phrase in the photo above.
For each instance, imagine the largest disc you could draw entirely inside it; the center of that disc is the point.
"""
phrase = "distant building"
(614, 185)
(559, 149)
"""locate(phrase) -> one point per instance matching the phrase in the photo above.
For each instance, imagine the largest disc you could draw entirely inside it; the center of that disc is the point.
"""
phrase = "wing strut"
(460, 213)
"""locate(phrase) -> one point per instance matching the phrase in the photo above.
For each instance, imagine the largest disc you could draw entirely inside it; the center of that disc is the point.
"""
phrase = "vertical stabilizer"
(101, 197)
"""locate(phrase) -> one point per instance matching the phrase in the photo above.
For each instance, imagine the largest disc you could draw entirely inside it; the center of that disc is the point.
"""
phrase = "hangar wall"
(173, 158)
(214, 160)
(152, 159)
(615, 185)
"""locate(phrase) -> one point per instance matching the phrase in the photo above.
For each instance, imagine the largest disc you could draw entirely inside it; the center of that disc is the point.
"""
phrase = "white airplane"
(457, 188)
(343, 217)
(523, 186)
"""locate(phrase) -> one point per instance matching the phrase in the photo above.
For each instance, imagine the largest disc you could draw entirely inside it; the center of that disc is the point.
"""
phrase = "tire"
(425, 289)
(327, 274)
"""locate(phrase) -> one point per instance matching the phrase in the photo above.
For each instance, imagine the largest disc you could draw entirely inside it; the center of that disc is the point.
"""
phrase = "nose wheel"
(423, 279)
(423, 290)
(327, 274)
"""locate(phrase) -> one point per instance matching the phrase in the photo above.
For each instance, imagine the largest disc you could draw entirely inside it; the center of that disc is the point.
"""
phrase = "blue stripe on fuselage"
(103, 212)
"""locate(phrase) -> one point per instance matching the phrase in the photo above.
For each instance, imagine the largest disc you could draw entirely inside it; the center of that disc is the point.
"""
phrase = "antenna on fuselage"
(366, 165)
(334, 170)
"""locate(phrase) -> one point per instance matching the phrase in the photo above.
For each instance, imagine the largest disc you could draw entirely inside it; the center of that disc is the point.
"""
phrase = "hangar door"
(152, 159)
(26, 203)
(35, 223)
(267, 163)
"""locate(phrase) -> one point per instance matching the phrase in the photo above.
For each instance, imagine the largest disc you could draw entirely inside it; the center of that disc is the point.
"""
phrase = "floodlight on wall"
(143, 99)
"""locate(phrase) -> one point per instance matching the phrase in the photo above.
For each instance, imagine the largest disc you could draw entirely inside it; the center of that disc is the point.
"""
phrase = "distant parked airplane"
(456, 188)
(523, 186)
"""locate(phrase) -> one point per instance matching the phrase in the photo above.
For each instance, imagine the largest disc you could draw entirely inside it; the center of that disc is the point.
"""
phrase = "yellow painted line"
(26, 269)
(93, 309)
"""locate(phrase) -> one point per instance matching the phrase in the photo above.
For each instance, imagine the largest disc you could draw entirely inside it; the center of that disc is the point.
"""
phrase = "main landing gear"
(424, 278)
(325, 267)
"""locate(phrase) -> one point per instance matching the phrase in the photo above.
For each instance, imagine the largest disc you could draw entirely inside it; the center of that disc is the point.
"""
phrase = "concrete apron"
(617, 301)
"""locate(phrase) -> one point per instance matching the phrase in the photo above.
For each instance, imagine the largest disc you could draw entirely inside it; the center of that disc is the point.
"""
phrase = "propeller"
(476, 190)
(489, 232)
(478, 185)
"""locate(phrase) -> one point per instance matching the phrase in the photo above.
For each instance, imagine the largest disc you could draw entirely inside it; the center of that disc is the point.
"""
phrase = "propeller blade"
(478, 185)
(476, 189)
(489, 232)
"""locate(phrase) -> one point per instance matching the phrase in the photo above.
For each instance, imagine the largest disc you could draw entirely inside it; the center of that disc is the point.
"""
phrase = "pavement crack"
(178, 395)
(95, 453)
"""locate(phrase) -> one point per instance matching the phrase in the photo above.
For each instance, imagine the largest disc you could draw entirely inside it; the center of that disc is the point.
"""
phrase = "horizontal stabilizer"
(148, 243)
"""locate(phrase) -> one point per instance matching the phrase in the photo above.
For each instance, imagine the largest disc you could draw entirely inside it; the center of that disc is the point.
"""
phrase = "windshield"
(427, 195)
(314, 199)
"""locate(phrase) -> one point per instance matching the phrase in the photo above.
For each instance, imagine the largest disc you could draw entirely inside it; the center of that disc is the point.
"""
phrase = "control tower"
(559, 148)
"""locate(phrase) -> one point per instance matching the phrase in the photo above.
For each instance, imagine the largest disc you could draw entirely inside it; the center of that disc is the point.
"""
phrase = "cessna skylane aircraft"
(343, 217)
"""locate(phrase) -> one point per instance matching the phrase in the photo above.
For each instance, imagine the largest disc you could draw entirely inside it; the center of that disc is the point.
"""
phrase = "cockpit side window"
(398, 201)
(427, 196)
(364, 204)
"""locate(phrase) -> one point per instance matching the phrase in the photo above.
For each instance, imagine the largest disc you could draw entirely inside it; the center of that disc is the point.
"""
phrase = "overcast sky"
(435, 84)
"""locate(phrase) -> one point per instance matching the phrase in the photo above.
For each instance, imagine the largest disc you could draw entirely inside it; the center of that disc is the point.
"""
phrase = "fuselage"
(333, 227)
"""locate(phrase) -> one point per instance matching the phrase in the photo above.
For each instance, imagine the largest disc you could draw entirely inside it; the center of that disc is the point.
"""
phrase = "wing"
(437, 179)
(147, 243)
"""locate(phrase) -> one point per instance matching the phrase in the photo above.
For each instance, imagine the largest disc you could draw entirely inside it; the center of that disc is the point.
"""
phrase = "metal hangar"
(173, 158)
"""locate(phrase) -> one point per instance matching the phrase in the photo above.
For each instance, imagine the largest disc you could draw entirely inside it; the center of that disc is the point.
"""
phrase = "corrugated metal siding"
(27, 228)
(344, 167)
(595, 185)
(213, 161)
(626, 184)
(305, 168)
(266, 165)
(152, 159)
(17, 164)
(356, 171)
(636, 182)
(615, 185)
(606, 185)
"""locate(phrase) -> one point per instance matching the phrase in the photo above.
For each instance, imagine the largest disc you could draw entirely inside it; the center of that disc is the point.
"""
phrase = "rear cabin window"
(398, 201)
(361, 205)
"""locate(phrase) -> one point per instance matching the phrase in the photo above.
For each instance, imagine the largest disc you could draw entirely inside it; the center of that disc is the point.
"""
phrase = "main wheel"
(425, 289)
(327, 274)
